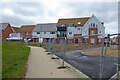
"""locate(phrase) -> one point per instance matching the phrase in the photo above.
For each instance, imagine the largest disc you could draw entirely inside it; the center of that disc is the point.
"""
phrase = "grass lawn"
(14, 60)
(111, 52)
(69, 47)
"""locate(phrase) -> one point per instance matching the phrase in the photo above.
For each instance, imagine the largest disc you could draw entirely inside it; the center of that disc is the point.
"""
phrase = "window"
(52, 32)
(38, 32)
(93, 25)
(78, 28)
(62, 25)
(44, 32)
(92, 40)
(79, 22)
(70, 25)
(70, 40)
(27, 33)
(70, 32)
(92, 32)
(99, 31)
(99, 40)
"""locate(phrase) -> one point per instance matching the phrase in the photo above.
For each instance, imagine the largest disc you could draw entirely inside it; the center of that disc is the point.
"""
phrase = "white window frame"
(79, 22)
(70, 33)
(99, 40)
(92, 32)
(27, 33)
(92, 40)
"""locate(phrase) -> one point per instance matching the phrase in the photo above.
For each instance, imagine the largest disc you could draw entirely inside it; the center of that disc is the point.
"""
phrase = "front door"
(76, 41)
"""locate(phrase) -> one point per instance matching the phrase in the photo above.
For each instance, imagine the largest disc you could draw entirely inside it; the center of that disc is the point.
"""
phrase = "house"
(6, 30)
(26, 31)
(86, 30)
(44, 32)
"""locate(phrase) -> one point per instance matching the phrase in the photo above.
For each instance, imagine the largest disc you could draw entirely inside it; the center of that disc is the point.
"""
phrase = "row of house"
(86, 30)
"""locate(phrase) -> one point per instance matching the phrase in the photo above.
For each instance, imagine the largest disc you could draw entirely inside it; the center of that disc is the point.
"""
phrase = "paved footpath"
(40, 65)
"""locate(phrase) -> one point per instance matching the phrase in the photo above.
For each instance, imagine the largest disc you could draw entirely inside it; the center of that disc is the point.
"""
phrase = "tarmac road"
(89, 65)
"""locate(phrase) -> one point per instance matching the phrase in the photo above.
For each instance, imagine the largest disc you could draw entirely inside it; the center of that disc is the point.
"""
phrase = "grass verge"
(14, 60)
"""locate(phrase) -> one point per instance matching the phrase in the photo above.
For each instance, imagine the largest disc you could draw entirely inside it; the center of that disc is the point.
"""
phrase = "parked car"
(30, 40)
(15, 37)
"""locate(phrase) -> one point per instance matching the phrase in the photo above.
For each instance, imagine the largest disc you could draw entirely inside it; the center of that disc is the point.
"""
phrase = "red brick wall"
(27, 36)
(93, 37)
(44, 40)
(6, 32)
(101, 40)
(37, 40)
(73, 41)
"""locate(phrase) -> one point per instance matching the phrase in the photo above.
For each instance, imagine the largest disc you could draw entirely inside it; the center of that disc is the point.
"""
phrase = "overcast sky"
(25, 13)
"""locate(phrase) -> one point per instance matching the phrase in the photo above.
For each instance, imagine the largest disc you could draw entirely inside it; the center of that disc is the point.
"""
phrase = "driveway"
(89, 65)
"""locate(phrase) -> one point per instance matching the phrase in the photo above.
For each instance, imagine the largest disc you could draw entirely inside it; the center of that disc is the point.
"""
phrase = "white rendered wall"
(74, 31)
(100, 27)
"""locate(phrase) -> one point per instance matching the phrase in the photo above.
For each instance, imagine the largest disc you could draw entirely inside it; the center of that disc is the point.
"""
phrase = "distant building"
(26, 31)
(81, 30)
(6, 30)
(43, 32)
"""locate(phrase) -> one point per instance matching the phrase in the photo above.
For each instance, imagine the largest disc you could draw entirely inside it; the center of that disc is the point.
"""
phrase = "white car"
(15, 37)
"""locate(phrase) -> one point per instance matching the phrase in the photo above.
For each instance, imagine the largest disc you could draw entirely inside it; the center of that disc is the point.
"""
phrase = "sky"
(49, 11)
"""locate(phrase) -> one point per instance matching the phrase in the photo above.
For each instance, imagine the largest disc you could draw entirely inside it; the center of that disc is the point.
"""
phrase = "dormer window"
(70, 25)
(62, 25)
(79, 22)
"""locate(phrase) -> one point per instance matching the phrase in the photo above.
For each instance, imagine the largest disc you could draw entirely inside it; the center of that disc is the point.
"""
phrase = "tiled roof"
(47, 27)
(73, 21)
(16, 29)
(27, 28)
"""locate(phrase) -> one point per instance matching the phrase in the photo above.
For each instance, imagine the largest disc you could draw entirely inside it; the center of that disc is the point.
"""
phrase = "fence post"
(100, 73)
(63, 66)
(49, 46)
(53, 48)
(64, 52)
(103, 57)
